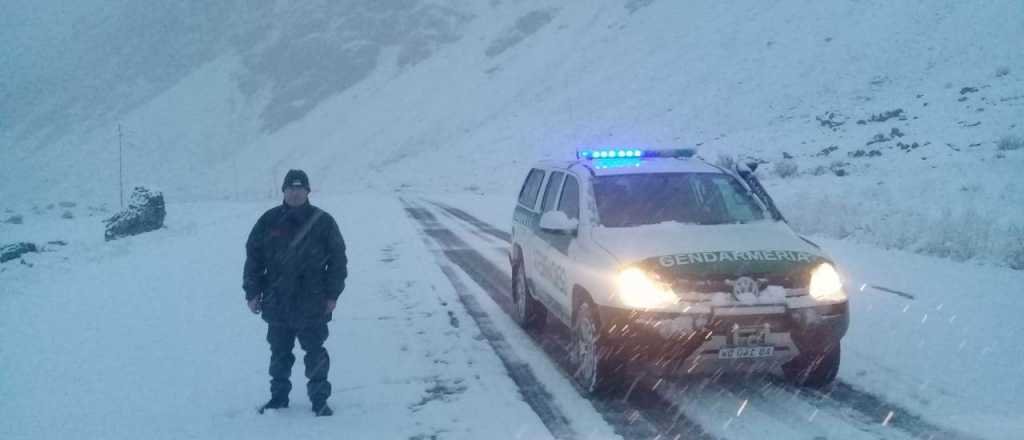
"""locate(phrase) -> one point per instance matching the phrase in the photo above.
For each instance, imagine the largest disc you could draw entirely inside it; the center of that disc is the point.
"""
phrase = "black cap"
(295, 179)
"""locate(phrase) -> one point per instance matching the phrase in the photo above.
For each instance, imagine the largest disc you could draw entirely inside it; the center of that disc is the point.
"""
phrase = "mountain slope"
(233, 95)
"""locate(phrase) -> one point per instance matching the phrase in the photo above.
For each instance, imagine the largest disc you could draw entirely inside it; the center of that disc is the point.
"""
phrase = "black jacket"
(295, 260)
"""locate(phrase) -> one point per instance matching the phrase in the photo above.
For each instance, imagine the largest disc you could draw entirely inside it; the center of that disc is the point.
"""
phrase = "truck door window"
(528, 194)
(554, 184)
(569, 203)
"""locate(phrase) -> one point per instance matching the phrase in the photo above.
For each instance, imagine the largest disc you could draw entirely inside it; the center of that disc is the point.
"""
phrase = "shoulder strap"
(306, 227)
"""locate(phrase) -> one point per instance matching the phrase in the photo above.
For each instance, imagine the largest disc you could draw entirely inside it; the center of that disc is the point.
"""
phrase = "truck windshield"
(695, 198)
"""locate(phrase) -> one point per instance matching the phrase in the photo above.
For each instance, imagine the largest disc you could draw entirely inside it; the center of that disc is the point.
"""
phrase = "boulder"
(16, 250)
(145, 212)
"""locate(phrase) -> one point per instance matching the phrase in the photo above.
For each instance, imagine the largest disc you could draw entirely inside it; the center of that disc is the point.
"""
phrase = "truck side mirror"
(558, 222)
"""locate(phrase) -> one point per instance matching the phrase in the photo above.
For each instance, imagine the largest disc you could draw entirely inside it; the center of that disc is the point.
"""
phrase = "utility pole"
(120, 163)
(234, 165)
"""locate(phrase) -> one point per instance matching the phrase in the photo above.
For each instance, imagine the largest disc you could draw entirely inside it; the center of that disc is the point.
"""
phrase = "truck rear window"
(528, 194)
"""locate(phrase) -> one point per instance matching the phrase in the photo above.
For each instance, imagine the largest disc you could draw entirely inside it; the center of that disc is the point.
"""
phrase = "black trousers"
(282, 341)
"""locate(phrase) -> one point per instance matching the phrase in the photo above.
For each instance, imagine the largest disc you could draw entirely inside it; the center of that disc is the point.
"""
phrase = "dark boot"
(274, 403)
(320, 409)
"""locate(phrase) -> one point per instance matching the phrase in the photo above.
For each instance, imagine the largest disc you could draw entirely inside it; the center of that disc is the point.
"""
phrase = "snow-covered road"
(721, 407)
(149, 337)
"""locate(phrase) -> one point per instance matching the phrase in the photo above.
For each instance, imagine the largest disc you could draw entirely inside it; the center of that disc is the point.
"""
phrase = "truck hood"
(732, 249)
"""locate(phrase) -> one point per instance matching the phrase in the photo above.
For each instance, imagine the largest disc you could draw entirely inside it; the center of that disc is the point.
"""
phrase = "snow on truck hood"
(760, 247)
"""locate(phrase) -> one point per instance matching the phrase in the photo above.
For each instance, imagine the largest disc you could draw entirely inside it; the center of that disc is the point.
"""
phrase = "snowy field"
(149, 337)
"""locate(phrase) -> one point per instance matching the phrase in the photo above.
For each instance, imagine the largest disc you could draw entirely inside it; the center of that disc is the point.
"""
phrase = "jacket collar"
(301, 212)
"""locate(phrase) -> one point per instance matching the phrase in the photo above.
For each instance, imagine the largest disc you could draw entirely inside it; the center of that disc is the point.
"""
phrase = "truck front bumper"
(698, 337)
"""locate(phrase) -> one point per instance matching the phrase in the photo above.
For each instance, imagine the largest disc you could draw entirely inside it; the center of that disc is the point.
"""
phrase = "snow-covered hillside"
(218, 101)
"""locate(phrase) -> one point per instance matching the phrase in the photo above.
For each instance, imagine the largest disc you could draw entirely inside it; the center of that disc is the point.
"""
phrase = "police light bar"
(609, 154)
(630, 153)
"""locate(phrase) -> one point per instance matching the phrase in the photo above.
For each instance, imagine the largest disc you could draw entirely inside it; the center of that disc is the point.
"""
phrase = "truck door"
(552, 262)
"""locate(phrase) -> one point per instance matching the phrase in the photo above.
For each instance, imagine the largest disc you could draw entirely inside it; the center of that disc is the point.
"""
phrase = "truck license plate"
(745, 352)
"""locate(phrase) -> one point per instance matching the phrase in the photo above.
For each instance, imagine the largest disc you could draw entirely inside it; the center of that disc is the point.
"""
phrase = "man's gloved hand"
(254, 305)
(330, 304)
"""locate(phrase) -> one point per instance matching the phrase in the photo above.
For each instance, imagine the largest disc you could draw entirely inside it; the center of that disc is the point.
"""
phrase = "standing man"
(295, 269)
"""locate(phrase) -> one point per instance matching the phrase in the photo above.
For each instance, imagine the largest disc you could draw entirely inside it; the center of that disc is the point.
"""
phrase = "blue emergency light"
(633, 153)
(609, 154)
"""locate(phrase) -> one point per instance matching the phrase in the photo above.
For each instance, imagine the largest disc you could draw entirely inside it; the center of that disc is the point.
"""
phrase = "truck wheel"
(593, 370)
(529, 313)
(815, 369)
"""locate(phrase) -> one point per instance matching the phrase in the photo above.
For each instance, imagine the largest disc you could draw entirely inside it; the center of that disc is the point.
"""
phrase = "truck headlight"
(639, 290)
(825, 284)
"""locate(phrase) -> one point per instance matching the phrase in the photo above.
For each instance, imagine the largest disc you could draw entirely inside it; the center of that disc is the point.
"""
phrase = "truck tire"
(529, 313)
